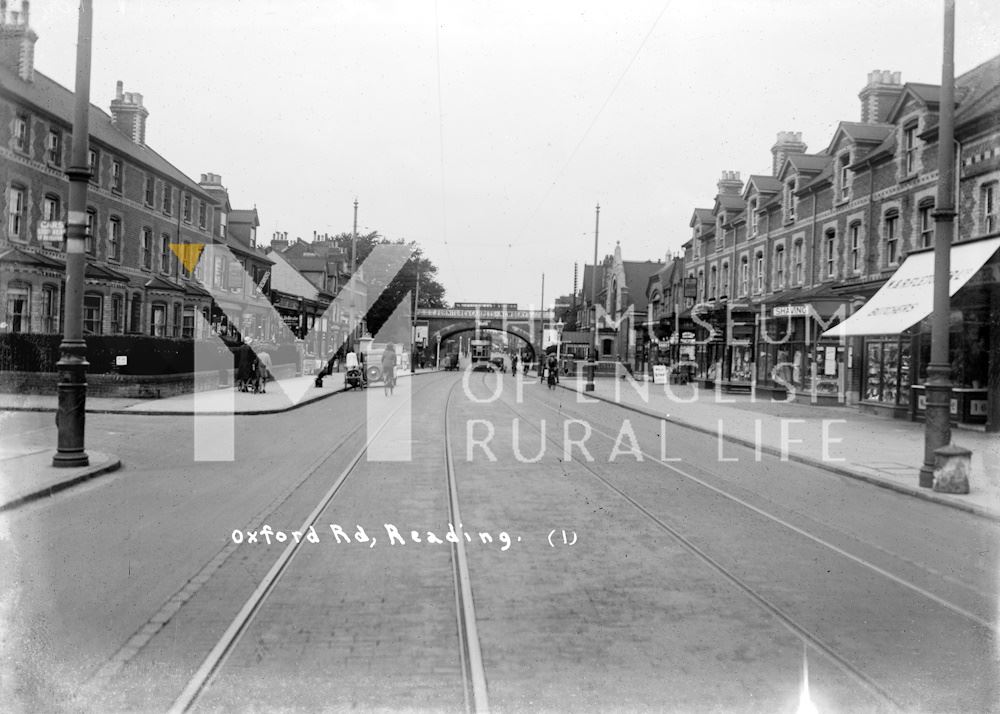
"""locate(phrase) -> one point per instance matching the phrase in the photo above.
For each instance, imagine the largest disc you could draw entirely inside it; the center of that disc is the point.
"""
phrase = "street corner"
(29, 476)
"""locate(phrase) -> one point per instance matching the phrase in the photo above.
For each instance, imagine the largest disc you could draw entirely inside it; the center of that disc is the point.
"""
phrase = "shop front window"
(887, 370)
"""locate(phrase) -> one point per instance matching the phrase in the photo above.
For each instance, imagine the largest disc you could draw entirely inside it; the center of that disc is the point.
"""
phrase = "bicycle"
(389, 381)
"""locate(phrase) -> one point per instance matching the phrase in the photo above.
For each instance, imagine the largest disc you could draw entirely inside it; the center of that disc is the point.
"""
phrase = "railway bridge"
(443, 323)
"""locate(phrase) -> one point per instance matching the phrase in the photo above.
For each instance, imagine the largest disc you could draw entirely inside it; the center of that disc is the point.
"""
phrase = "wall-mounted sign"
(51, 232)
(792, 310)
(486, 305)
(121, 360)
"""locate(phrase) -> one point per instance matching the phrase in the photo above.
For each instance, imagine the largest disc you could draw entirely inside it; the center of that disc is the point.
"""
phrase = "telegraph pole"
(592, 365)
(413, 326)
(354, 267)
(72, 365)
(937, 419)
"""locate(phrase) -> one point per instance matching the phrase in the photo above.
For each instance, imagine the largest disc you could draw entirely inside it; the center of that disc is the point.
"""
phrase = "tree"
(431, 292)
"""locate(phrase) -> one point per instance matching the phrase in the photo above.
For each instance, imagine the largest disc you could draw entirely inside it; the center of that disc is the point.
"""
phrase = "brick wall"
(127, 385)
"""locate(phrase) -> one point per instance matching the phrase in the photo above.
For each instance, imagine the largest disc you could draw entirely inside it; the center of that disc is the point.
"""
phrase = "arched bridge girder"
(450, 330)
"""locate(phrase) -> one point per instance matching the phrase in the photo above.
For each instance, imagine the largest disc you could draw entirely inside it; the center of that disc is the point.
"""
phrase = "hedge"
(29, 352)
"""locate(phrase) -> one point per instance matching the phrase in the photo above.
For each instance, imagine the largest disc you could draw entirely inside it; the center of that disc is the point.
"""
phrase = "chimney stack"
(879, 95)
(17, 41)
(128, 114)
(789, 142)
(730, 183)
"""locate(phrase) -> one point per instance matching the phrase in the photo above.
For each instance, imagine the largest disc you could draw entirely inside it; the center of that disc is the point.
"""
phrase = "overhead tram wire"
(444, 198)
(586, 133)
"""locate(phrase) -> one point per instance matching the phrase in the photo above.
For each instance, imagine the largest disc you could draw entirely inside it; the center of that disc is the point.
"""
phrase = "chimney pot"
(119, 86)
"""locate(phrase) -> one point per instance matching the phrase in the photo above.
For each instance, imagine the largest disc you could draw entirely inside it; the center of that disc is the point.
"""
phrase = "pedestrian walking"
(264, 369)
(389, 368)
(246, 362)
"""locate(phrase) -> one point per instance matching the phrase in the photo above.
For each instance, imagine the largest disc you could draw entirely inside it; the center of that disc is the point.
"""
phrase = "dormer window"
(789, 200)
(909, 148)
(844, 176)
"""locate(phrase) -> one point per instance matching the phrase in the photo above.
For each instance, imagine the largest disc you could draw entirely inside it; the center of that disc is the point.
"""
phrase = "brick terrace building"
(781, 259)
(138, 203)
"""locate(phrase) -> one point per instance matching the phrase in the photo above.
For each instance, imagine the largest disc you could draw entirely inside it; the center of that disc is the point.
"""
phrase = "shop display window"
(888, 370)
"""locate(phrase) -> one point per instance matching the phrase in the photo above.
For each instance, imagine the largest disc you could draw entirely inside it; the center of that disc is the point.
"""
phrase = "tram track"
(791, 623)
(473, 675)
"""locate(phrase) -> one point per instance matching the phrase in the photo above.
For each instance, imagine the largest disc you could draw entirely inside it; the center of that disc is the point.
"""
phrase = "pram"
(254, 380)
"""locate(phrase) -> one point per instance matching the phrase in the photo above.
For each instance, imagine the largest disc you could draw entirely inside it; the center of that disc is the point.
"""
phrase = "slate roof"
(308, 263)
(52, 98)
(24, 257)
(585, 286)
(158, 283)
(764, 184)
(808, 162)
(731, 202)
(820, 179)
(245, 215)
(703, 215)
(94, 271)
(637, 274)
(977, 93)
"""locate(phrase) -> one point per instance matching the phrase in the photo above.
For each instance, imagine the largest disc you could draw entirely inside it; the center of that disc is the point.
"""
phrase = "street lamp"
(72, 365)
(937, 416)
(592, 364)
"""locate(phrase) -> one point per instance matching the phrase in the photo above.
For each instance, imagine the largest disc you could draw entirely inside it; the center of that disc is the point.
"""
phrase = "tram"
(481, 350)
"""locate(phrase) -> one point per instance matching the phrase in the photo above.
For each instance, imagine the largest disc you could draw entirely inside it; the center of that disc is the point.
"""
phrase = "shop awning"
(908, 296)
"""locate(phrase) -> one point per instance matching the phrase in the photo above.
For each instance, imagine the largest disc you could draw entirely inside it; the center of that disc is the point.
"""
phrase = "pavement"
(881, 451)
(28, 474)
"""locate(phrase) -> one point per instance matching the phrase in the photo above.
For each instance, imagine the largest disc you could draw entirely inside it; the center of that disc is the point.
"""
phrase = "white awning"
(908, 296)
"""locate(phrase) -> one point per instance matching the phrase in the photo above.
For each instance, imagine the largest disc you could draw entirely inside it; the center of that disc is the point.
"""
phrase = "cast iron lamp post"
(72, 365)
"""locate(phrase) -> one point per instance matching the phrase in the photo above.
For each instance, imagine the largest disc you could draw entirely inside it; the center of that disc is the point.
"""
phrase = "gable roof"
(243, 215)
(763, 184)
(821, 179)
(52, 98)
(803, 164)
(729, 202)
(978, 96)
(859, 133)
(637, 274)
(702, 215)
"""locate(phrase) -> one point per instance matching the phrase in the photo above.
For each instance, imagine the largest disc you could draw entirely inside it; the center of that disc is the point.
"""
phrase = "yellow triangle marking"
(188, 253)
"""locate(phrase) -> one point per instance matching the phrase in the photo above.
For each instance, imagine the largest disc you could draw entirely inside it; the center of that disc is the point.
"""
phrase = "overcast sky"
(488, 131)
